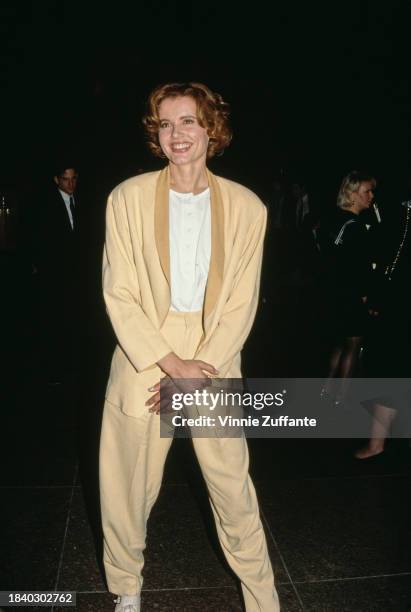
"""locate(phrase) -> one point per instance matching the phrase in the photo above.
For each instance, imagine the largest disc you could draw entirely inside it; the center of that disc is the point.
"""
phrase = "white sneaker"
(128, 603)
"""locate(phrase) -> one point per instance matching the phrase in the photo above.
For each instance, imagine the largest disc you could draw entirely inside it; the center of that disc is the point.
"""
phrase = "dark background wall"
(318, 88)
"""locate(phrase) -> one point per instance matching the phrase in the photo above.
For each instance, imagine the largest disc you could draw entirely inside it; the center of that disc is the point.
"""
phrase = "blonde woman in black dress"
(348, 274)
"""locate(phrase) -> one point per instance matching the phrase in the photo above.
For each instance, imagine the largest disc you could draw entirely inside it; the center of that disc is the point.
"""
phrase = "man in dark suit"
(54, 250)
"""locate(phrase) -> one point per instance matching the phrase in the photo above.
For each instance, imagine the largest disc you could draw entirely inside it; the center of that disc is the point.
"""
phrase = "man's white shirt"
(66, 199)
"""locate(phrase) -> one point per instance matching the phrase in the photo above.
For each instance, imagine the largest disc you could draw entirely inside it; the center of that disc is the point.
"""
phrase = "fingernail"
(150, 389)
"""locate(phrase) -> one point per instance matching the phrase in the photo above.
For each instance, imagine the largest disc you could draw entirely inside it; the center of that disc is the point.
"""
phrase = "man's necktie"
(72, 210)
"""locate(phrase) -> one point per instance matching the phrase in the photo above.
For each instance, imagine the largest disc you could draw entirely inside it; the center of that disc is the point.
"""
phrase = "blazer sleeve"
(238, 315)
(141, 341)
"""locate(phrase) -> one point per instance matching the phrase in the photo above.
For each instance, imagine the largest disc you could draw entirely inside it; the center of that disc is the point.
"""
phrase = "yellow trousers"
(132, 458)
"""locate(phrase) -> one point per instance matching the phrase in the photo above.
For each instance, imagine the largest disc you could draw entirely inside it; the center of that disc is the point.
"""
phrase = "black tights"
(343, 361)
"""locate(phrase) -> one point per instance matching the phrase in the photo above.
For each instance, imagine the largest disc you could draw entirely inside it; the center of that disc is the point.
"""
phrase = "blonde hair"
(212, 111)
(350, 184)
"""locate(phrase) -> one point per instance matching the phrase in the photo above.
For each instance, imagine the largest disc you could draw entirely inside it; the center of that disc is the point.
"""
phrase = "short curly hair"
(350, 184)
(213, 114)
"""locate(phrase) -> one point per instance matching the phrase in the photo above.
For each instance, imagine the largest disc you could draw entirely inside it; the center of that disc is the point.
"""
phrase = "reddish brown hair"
(212, 114)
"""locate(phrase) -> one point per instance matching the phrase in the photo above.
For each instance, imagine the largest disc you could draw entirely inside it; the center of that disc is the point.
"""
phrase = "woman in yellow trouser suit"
(181, 272)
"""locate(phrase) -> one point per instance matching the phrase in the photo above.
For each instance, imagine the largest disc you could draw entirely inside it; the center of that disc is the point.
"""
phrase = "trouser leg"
(132, 457)
(132, 461)
(224, 464)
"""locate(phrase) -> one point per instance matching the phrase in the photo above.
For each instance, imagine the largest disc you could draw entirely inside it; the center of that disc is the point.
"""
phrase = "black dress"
(347, 273)
(388, 347)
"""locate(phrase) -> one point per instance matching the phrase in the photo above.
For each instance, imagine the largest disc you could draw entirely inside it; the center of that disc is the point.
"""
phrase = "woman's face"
(363, 198)
(181, 137)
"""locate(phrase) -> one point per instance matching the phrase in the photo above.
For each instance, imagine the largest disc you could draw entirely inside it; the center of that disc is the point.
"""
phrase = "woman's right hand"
(177, 370)
(175, 367)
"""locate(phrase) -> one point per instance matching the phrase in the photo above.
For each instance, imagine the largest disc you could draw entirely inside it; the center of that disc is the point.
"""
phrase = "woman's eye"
(188, 121)
(164, 124)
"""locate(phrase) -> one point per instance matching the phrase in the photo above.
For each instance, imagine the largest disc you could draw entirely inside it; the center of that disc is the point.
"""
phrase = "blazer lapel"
(161, 229)
(216, 270)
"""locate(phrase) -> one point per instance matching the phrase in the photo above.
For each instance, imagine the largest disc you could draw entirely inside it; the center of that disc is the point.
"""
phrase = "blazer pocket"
(128, 389)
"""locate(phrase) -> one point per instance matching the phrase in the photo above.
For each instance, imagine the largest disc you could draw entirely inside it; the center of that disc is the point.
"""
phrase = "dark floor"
(338, 529)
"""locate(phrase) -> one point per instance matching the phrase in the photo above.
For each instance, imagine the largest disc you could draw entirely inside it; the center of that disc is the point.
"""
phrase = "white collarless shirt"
(66, 199)
(190, 248)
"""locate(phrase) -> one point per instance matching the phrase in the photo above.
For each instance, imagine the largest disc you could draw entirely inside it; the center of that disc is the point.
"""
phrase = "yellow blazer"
(136, 280)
